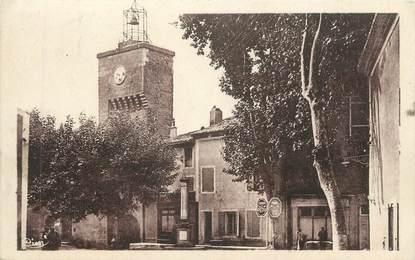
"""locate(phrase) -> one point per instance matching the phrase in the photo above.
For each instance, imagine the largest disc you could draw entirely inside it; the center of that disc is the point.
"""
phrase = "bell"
(133, 21)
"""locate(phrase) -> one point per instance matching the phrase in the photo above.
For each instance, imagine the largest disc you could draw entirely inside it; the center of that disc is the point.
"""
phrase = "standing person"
(53, 240)
(299, 241)
(45, 235)
(113, 243)
(322, 236)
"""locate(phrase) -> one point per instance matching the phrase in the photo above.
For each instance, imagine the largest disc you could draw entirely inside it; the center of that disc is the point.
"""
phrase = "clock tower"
(137, 77)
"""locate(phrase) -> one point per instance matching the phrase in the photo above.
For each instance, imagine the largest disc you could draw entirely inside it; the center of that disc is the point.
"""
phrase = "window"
(190, 184)
(228, 223)
(320, 211)
(254, 184)
(364, 210)
(250, 184)
(359, 120)
(167, 220)
(305, 212)
(312, 219)
(230, 227)
(359, 114)
(252, 224)
(188, 156)
(208, 179)
(393, 227)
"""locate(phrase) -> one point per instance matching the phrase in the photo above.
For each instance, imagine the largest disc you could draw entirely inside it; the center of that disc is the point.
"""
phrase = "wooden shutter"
(390, 227)
(241, 226)
(237, 223)
(221, 223)
(252, 224)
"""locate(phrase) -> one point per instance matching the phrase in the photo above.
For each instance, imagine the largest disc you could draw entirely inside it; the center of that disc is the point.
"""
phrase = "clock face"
(119, 75)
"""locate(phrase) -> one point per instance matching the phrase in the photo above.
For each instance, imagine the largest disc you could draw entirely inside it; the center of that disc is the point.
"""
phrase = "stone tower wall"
(149, 73)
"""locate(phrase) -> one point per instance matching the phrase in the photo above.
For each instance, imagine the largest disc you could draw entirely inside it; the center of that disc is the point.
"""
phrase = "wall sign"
(261, 207)
(274, 207)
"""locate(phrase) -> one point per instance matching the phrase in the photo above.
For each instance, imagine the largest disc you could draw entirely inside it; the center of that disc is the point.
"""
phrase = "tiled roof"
(190, 136)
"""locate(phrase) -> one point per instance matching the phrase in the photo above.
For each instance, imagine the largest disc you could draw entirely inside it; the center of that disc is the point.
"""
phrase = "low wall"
(90, 232)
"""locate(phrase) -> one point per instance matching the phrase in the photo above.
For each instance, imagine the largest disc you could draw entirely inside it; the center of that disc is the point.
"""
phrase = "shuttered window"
(252, 224)
(228, 223)
(208, 179)
(167, 220)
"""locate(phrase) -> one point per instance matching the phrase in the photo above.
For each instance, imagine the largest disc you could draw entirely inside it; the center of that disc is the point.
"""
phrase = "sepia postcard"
(196, 129)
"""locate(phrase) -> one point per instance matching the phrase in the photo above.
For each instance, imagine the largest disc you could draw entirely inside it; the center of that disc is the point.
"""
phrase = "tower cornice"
(137, 45)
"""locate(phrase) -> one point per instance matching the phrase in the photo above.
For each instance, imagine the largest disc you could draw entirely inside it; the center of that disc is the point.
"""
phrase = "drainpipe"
(144, 222)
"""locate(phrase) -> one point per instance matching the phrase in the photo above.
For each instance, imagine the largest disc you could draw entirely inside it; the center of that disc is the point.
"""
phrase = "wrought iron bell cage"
(135, 24)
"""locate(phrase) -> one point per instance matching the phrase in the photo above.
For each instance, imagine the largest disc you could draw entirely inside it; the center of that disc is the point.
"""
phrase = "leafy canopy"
(96, 169)
(260, 55)
(261, 64)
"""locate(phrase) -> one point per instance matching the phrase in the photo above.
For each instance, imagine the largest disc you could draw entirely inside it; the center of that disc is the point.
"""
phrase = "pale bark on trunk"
(322, 158)
(328, 183)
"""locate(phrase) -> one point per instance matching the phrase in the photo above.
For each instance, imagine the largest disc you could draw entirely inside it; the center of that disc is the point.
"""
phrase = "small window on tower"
(111, 106)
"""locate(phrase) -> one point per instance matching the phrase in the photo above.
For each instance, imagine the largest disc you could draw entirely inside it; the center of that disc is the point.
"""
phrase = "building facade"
(380, 64)
(227, 209)
(22, 159)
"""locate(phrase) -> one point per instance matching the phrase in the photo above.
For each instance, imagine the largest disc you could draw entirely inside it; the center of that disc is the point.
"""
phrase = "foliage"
(96, 169)
(261, 62)
(284, 93)
(260, 54)
(334, 75)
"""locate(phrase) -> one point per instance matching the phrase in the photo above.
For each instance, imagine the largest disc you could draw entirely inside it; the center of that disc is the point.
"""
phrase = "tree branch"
(303, 77)
(312, 53)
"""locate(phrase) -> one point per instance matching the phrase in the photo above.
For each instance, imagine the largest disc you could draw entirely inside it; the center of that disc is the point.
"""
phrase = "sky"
(51, 59)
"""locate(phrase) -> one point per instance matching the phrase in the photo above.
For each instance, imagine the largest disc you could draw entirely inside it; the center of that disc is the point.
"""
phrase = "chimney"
(173, 130)
(215, 116)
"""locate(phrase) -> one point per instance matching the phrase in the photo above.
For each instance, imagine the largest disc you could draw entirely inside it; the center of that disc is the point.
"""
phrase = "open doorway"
(208, 226)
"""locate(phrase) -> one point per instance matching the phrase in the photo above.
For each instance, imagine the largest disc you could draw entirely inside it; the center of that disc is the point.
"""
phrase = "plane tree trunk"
(323, 157)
